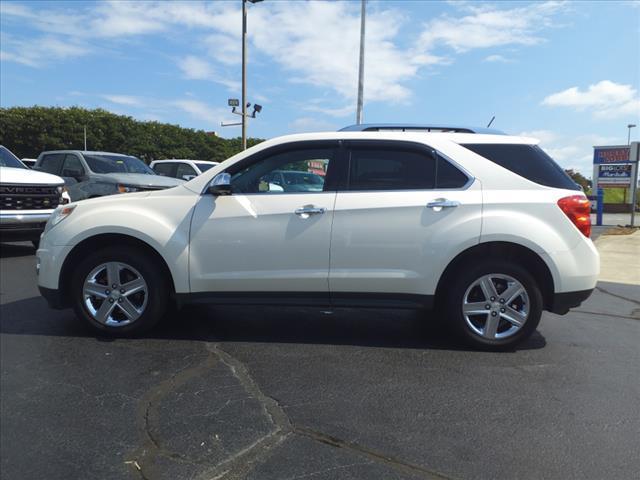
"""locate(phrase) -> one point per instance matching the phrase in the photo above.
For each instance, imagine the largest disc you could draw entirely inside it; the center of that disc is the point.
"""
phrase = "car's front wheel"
(494, 304)
(119, 291)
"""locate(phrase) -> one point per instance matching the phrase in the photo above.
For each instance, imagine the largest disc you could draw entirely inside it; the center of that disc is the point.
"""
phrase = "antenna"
(491, 121)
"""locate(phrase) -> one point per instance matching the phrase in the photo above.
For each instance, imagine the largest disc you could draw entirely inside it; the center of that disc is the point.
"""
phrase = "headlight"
(60, 214)
(126, 188)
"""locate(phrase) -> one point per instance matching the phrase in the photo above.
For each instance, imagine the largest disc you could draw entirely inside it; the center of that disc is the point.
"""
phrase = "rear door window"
(167, 169)
(390, 169)
(185, 169)
(52, 163)
(528, 161)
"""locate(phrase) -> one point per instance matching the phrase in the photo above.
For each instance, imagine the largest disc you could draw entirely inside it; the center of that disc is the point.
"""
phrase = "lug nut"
(502, 300)
(502, 310)
(487, 306)
(122, 291)
(493, 314)
(107, 291)
(114, 286)
(119, 299)
(493, 299)
(111, 300)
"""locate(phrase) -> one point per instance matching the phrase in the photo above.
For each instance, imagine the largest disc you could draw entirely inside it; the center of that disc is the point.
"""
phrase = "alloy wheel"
(115, 294)
(496, 306)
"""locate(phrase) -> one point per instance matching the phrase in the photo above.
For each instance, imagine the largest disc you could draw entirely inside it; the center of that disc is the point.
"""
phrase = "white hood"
(28, 176)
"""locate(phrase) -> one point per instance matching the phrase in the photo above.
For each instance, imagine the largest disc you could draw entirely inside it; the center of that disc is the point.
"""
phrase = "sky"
(567, 73)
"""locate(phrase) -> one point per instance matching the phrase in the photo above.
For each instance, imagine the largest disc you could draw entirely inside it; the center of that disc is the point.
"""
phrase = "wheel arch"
(98, 241)
(532, 261)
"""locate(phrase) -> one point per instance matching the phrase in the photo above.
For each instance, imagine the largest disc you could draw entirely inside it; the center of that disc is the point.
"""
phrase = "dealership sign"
(618, 175)
(610, 155)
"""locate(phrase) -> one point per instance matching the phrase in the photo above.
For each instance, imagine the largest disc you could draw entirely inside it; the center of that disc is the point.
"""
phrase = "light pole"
(629, 127)
(244, 71)
(361, 65)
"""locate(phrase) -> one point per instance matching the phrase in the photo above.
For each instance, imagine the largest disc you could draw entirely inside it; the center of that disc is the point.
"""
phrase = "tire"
(508, 321)
(128, 313)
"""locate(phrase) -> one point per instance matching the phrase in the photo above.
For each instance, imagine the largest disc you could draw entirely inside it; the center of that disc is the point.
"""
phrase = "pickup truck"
(27, 199)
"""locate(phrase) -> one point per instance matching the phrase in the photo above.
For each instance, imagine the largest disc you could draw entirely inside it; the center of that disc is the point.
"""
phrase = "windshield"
(204, 166)
(8, 159)
(302, 178)
(116, 164)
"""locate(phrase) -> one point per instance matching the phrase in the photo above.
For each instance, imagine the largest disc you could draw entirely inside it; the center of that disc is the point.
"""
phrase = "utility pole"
(85, 138)
(244, 74)
(361, 64)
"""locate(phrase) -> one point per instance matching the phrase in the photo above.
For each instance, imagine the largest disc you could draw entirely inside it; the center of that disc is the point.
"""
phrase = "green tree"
(580, 179)
(27, 131)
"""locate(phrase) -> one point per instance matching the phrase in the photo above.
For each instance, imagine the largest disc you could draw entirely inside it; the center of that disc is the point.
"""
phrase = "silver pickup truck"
(95, 174)
(27, 199)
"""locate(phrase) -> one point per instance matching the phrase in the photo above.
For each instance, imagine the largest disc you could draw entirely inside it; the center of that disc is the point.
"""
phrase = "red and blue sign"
(603, 155)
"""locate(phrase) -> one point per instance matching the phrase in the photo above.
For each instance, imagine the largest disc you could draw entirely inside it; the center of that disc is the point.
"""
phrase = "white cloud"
(497, 59)
(314, 43)
(195, 68)
(489, 26)
(40, 51)
(606, 99)
(200, 111)
(129, 100)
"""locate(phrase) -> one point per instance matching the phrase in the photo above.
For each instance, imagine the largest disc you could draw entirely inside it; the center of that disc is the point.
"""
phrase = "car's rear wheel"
(494, 304)
(119, 291)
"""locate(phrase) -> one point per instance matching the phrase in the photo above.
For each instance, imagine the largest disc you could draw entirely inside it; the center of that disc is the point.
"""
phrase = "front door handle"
(308, 210)
(440, 203)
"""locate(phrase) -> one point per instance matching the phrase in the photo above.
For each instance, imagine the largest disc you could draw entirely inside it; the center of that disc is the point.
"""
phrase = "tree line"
(27, 131)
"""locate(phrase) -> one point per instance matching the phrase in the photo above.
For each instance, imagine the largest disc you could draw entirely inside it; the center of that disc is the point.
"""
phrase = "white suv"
(487, 228)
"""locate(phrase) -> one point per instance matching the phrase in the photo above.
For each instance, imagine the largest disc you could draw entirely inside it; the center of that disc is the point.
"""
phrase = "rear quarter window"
(528, 161)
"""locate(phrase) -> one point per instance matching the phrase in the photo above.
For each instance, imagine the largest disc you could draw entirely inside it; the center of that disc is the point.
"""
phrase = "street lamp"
(630, 126)
(244, 71)
(361, 65)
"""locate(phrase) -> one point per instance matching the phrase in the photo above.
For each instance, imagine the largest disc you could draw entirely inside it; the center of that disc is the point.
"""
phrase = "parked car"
(181, 168)
(487, 229)
(27, 199)
(95, 174)
(295, 181)
(29, 162)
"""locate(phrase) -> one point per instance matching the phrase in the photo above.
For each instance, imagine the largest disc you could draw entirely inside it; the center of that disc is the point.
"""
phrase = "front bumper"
(563, 302)
(23, 225)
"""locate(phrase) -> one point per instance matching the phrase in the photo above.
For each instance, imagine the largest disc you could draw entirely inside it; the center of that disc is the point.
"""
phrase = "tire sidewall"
(157, 289)
(463, 281)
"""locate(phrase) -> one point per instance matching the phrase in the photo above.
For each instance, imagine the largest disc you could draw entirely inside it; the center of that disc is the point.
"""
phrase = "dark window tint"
(165, 169)
(528, 161)
(99, 163)
(390, 169)
(8, 159)
(449, 176)
(184, 169)
(52, 163)
(204, 166)
(72, 166)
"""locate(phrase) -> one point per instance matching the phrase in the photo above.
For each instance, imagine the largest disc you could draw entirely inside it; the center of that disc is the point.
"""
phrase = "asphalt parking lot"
(300, 393)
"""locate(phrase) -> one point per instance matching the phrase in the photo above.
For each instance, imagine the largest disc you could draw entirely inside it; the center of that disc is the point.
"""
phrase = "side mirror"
(77, 175)
(220, 185)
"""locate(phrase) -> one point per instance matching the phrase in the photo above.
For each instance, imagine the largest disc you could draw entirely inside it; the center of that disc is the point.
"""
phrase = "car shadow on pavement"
(9, 250)
(296, 325)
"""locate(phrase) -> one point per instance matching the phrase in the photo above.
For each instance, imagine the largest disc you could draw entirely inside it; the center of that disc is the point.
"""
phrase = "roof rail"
(403, 127)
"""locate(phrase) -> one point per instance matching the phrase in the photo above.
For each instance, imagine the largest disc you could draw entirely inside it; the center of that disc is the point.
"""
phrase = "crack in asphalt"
(599, 288)
(240, 464)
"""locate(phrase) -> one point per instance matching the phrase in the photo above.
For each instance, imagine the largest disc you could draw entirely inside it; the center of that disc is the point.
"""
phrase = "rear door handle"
(308, 210)
(440, 203)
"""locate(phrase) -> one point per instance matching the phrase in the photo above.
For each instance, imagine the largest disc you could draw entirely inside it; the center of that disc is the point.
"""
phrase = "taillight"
(578, 209)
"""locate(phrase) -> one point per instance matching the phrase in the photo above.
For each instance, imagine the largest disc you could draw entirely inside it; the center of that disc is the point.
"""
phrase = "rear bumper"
(563, 302)
(53, 297)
